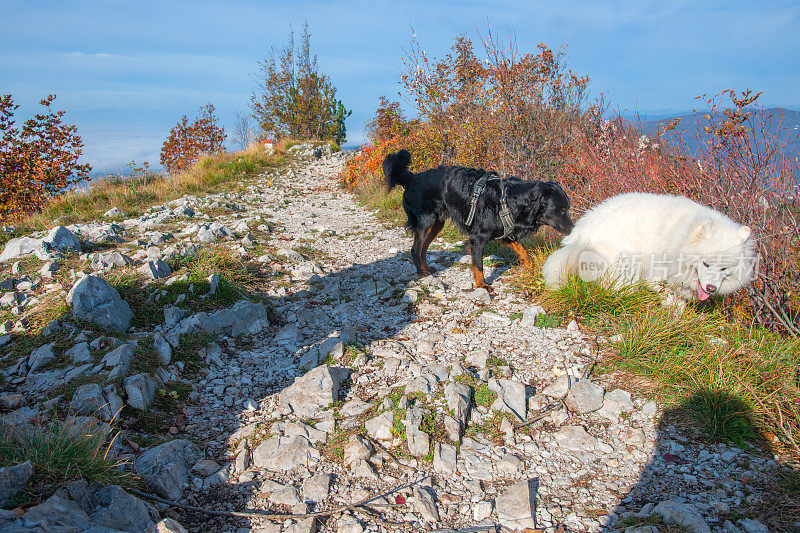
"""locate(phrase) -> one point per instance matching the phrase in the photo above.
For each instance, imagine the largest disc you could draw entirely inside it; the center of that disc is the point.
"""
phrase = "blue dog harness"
(505, 213)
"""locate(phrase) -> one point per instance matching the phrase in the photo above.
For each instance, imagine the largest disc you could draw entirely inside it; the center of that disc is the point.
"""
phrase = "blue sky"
(126, 71)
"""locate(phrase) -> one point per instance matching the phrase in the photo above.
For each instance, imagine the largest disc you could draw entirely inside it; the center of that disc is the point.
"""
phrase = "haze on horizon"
(126, 71)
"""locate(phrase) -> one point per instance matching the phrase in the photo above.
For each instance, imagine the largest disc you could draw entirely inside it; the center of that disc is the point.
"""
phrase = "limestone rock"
(22, 246)
(616, 403)
(166, 467)
(316, 488)
(213, 232)
(88, 400)
(155, 269)
(444, 458)
(584, 397)
(313, 391)
(510, 397)
(62, 240)
(118, 360)
(13, 479)
(380, 427)
(682, 514)
(93, 299)
(530, 314)
(40, 357)
(516, 506)
(285, 453)
(559, 388)
(575, 438)
(167, 525)
(419, 442)
(357, 449)
(141, 390)
(243, 318)
(80, 353)
(114, 508)
(458, 397)
(425, 505)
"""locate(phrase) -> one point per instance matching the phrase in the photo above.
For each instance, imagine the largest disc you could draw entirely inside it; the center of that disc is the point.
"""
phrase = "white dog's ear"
(702, 230)
(744, 233)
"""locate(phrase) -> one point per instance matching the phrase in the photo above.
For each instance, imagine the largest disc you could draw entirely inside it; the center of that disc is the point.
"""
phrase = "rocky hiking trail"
(353, 396)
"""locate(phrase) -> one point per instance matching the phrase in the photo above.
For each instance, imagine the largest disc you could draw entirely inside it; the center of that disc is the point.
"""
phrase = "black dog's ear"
(539, 192)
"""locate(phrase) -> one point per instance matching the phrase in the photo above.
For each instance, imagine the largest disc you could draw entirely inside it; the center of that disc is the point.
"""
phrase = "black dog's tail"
(395, 168)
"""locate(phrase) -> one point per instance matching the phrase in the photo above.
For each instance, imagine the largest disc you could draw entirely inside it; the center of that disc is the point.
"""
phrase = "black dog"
(444, 192)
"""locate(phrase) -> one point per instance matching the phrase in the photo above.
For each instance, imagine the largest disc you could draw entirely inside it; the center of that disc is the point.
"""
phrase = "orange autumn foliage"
(38, 161)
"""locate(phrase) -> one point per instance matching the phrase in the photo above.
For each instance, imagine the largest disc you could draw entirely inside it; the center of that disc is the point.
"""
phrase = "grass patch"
(333, 447)
(735, 384)
(389, 206)
(398, 423)
(135, 195)
(62, 452)
(146, 359)
(188, 351)
(489, 428)
(484, 396)
(547, 320)
(590, 300)
(191, 293)
(312, 254)
(166, 411)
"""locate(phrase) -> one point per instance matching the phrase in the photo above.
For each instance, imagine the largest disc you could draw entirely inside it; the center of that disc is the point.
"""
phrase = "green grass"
(589, 300)
(547, 320)
(489, 428)
(188, 351)
(333, 447)
(216, 259)
(310, 253)
(372, 194)
(732, 382)
(62, 452)
(484, 396)
(398, 423)
(146, 359)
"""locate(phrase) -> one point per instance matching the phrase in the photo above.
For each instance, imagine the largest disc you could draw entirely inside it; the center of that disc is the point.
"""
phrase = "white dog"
(663, 240)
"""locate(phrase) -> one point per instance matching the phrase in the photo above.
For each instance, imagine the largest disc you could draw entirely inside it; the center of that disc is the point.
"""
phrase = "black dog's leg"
(415, 254)
(524, 258)
(476, 251)
(432, 233)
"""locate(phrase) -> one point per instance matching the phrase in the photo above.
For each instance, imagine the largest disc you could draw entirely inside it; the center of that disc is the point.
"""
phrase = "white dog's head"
(725, 258)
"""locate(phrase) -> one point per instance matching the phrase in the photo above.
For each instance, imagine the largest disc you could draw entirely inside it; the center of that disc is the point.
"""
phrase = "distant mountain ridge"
(784, 122)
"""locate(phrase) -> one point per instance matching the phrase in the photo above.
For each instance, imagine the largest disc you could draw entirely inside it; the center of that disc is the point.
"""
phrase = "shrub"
(186, 142)
(743, 168)
(506, 111)
(38, 161)
(294, 99)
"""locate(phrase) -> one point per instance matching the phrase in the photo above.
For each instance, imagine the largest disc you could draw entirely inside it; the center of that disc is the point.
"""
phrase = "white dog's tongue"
(702, 295)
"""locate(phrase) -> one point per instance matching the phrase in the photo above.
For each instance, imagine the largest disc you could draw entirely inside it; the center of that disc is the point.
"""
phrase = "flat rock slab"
(166, 467)
(285, 453)
(314, 391)
(516, 506)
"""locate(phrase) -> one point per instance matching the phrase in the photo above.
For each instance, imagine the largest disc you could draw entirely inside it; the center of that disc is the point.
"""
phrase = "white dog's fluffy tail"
(562, 264)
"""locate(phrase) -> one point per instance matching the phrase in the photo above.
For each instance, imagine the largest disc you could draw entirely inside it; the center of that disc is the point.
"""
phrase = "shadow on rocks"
(304, 364)
(711, 471)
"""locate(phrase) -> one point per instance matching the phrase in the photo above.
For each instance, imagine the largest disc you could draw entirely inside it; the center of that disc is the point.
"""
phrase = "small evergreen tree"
(294, 99)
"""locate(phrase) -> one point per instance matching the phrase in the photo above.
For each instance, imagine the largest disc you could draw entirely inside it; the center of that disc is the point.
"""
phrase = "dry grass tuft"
(135, 195)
